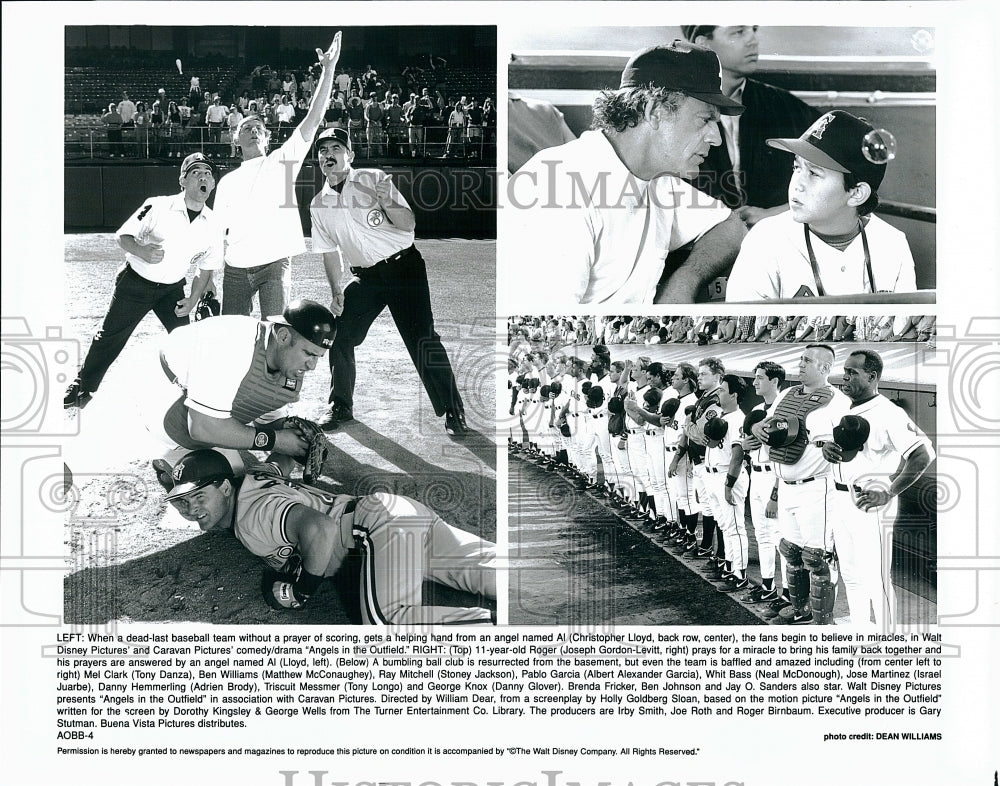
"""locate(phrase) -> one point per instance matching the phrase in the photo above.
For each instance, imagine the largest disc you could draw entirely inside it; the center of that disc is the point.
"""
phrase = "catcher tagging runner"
(303, 534)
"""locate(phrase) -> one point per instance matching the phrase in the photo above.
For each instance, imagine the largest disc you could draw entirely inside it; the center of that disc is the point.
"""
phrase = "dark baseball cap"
(197, 158)
(669, 407)
(781, 431)
(199, 469)
(844, 143)
(684, 67)
(338, 134)
(753, 417)
(851, 434)
(716, 429)
(311, 320)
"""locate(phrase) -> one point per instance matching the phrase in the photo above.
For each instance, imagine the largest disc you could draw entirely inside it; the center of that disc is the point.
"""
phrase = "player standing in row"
(868, 446)
(829, 242)
(304, 534)
(768, 378)
(160, 240)
(256, 205)
(797, 436)
(365, 230)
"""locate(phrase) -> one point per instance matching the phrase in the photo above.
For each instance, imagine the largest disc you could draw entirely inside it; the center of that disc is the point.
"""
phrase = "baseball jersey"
(260, 517)
(221, 365)
(819, 427)
(163, 220)
(583, 229)
(354, 223)
(759, 456)
(256, 205)
(774, 262)
(893, 436)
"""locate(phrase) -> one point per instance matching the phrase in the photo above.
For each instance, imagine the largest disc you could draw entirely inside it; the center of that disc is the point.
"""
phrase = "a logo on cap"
(178, 471)
(375, 217)
(816, 132)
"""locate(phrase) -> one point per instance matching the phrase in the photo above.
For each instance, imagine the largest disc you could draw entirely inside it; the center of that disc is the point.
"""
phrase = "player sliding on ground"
(304, 535)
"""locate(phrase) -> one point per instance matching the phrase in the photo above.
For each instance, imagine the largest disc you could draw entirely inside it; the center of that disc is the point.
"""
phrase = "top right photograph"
(704, 163)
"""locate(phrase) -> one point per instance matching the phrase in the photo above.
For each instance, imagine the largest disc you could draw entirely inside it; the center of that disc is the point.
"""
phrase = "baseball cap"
(198, 469)
(716, 429)
(669, 407)
(338, 134)
(684, 67)
(844, 143)
(197, 158)
(851, 434)
(753, 417)
(781, 431)
(311, 320)
(691, 32)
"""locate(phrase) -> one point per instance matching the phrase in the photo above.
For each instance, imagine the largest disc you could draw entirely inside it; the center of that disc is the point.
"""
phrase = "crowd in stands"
(533, 333)
(418, 114)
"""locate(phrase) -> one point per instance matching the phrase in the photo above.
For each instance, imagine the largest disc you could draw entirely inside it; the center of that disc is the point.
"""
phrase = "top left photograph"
(279, 265)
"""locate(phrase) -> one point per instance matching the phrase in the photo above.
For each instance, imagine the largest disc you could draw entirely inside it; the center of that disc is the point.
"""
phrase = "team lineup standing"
(815, 471)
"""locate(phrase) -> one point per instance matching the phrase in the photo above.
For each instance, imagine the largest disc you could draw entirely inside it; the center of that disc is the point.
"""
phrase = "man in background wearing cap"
(866, 450)
(829, 242)
(365, 230)
(304, 535)
(160, 240)
(256, 204)
(803, 422)
(744, 172)
(593, 220)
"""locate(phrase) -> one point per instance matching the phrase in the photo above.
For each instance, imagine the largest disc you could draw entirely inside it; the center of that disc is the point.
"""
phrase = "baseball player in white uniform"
(304, 534)
(680, 477)
(726, 482)
(593, 220)
(828, 243)
(796, 434)
(767, 380)
(635, 427)
(649, 418)
(869, 478)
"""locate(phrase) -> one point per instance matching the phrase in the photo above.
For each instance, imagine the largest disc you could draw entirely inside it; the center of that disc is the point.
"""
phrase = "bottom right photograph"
(722, 470)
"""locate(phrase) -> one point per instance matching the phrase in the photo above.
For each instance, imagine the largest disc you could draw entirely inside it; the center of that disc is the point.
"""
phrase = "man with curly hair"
(595, 218)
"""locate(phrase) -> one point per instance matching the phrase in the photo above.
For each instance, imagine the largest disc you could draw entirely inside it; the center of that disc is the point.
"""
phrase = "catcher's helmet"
(198, 469)
(311, 320)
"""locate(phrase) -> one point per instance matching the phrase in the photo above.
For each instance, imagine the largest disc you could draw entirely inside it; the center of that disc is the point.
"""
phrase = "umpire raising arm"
(364, 228)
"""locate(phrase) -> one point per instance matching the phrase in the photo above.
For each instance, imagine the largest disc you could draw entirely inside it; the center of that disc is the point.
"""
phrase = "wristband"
(774, 496)
(264, 437)
(731, 481)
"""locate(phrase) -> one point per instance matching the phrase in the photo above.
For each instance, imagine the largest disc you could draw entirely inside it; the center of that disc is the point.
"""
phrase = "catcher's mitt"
(208, 306)
(319, 446)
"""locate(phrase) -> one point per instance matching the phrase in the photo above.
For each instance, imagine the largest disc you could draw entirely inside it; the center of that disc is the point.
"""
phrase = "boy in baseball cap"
(829, 242)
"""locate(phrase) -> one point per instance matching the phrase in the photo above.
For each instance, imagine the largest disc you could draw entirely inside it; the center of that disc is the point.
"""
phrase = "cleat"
(454, 423)
(76, 396)
(334, 416)
(801, 619)
(733, 584)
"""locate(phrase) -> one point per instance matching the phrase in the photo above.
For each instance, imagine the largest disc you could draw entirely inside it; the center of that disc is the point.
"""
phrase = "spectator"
(474, 129)
(344, 82)
(336, 114)
(127, 109)
(243, 102)
(456, 129)
(394, 125)
(113, 121)
(194, 92)
(141, 130)
(184, 110)
(489, 122)
(285, 114)
(307, 85)
(288, 86)
(215, 117)
(173, 131)
(373, 126)
(232, 123)
(355, 118)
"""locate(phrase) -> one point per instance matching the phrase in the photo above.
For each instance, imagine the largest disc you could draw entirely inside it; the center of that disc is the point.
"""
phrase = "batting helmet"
(198, 469)
(311, 320)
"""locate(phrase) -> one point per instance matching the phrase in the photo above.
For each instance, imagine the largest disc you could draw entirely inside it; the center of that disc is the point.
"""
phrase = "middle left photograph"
(284, 313)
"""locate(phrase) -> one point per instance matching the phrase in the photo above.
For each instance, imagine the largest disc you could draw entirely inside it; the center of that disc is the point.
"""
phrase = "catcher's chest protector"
(797, 404)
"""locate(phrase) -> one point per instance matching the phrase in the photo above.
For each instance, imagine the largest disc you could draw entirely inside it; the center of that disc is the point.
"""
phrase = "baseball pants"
(401, 285)
(637, 458)
(765, 529)
(864, 549)
(730, 517)
(403, 543)
(656, 470)
(806, 512)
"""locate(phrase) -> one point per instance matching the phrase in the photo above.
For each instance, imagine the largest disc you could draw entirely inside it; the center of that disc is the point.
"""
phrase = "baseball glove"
(319, 446)
(271, 581)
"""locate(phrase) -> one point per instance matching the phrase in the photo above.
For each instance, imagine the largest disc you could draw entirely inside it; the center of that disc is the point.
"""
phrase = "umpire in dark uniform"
(364, 228)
